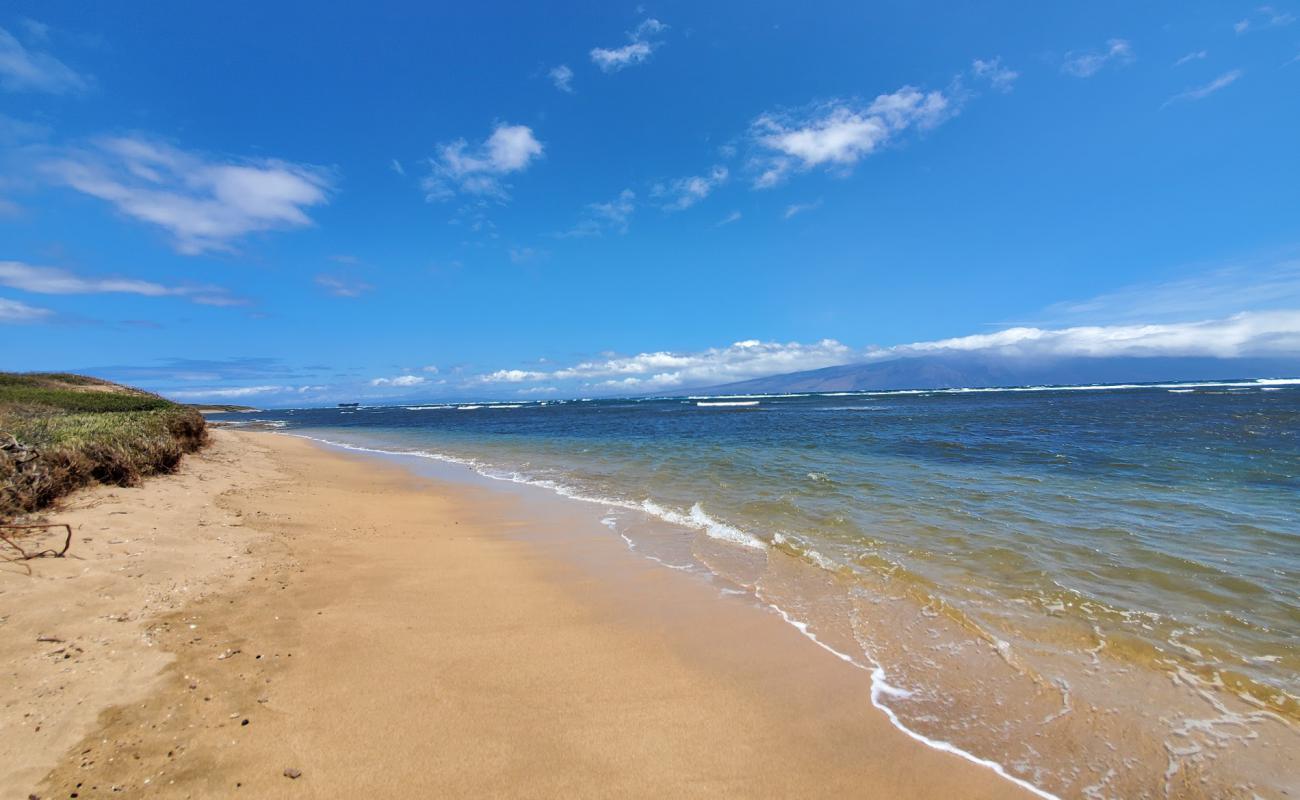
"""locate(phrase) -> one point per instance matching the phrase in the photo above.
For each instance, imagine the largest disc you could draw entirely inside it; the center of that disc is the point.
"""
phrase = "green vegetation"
(59, 432)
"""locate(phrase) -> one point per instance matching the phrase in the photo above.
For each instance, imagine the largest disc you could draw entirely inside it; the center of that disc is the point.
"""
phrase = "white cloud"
(662, 370)
(400, 380)
(51, 280)
(600, 218)
(206, 204)
(1201, 92)
(241, 391)
(839, 134)
(999, 77)
(478, 171)
(640, 45)
(798, 208)
(511, 376)
(1087, 63)
(727, 220)
(397, 167)
(1264, 17)
(13, 311)
(1195, 55)
(23, 70)
(342, 286)
(1252, 333)
(562, 77)
(1254, 285)
(686, 192)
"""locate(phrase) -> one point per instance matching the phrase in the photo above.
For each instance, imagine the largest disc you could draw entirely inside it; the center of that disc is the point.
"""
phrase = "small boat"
(349, 405)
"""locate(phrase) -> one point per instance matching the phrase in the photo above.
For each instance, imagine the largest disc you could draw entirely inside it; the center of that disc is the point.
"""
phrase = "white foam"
(880, 688)
(698, 519)
(743, 396)
(726, 403)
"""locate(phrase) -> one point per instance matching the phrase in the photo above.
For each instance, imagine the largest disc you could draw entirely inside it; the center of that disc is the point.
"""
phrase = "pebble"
(291, 773)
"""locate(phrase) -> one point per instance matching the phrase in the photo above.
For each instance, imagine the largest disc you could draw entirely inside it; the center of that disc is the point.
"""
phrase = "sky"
(303, 203)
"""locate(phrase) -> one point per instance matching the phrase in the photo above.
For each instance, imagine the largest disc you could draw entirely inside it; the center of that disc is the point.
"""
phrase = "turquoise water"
(1098, 589)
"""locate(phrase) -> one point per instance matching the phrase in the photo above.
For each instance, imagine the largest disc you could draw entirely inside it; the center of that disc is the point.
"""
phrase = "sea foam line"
(699, 520)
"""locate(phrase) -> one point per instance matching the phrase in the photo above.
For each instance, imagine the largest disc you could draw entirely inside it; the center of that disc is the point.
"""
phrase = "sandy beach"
(278, 609)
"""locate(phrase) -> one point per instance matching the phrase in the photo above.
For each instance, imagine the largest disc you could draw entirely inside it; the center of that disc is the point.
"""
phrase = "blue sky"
(299, 204)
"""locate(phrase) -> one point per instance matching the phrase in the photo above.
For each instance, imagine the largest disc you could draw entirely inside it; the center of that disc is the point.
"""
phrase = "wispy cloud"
(641, 43)
(342, 285)
(562, 77)
(601, 218)
(1265, 284)
(51, 280)
(479, 170)
(1195, 55)
(1263, 17)
(205, 203)
(727, 220)
(233, 392)
(683, 193)
(396, 166)
(1086, 63)
(1201, 92)
(1001, 78)
(794, 209)
(838, 134)
(16, 312)
(25, 70)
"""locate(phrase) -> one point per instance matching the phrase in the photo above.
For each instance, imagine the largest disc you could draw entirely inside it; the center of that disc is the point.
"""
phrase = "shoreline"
(385, 631)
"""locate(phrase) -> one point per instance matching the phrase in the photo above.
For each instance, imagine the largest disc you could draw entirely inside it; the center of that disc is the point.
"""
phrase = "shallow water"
(1099, 590)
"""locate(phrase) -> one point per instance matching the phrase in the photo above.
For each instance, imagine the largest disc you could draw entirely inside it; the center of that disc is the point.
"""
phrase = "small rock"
(292, 774)
(227, 654)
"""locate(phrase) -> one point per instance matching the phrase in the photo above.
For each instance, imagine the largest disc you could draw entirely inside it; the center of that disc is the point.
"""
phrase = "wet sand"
(279, 608)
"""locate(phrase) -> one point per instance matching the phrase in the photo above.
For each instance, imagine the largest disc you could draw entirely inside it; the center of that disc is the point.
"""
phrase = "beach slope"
(279, 620)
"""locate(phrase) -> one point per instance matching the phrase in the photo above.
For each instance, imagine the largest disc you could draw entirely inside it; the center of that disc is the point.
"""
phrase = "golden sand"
(277, 609)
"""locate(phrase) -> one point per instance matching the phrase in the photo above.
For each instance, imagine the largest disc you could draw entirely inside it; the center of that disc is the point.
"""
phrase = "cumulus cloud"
(205, 203)
(838, 134)
(1201, 92)
(1085, 64)
(479, 170)
(16, 312)
(641, 43)
(683, 193)
(999, 77)
(601, 218)
(511, 376)
(50, 280)
(24, 70)
(400, 381)
(562, 77)
(655, 371)
(1252, 333)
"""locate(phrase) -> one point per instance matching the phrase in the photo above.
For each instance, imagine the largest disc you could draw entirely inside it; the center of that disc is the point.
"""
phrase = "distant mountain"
(976, 371)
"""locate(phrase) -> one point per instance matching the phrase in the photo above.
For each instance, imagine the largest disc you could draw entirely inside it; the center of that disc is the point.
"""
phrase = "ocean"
(1095, 590)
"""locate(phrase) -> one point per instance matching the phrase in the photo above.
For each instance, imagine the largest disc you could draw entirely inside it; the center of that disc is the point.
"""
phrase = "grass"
(61, 432)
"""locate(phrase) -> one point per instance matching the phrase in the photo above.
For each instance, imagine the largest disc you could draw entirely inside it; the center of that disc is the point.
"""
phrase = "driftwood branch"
(11, 539)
